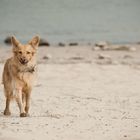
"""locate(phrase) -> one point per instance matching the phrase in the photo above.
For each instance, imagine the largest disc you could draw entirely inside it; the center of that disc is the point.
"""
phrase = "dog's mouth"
(23, 61)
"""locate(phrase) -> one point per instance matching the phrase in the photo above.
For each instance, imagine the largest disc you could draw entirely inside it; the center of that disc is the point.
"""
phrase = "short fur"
(18, 75)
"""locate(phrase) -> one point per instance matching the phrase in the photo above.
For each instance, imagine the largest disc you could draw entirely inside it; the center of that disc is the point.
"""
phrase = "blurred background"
(84, 21)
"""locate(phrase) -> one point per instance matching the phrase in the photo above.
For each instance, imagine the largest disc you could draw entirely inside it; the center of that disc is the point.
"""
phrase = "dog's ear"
(14, 41)
(35, 41)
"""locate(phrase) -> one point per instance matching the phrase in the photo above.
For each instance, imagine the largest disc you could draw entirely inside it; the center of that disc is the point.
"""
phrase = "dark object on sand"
(61, 44)
(48, 56)
(103, 56)
(44, 42)
(73, 44)
(8, 40)
(77, 58)
(138, 43)
(103, 45)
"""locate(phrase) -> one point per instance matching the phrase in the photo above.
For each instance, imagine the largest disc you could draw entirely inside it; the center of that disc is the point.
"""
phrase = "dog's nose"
(23, 60)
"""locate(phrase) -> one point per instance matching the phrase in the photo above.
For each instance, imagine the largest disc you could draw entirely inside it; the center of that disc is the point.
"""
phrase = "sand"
(79, 96)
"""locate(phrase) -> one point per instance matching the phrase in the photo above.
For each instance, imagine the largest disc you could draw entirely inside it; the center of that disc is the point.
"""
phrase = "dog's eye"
(28, 52)
(20, 52)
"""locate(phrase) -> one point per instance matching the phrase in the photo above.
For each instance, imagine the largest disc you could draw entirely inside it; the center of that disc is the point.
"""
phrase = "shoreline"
(47, 42)
(101, 53)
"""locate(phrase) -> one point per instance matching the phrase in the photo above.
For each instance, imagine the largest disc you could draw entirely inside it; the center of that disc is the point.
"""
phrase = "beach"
(81, 93)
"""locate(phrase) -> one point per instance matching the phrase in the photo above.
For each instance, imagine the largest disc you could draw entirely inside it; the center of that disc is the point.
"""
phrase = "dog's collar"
(30, 69)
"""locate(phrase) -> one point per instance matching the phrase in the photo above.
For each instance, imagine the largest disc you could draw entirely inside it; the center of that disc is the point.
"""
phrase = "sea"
(83, 21)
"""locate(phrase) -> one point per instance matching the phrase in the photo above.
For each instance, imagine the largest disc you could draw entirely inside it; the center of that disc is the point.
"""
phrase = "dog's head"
(24, 53)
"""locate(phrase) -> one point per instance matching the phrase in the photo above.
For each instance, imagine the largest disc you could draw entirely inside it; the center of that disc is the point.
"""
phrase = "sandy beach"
(81, 93)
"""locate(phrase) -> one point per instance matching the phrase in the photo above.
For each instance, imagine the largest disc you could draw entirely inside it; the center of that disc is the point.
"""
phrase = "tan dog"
(18, 75)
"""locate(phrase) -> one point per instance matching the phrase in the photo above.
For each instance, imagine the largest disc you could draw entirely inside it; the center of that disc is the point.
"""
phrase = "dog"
(19, 73)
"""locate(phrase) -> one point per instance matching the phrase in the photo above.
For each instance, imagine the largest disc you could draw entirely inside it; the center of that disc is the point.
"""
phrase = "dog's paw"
(7, 113)
(23, 115)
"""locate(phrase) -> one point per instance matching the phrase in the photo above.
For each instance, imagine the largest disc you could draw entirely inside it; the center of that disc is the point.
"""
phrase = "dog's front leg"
(28, 96)
(19, 102)
(27, 104)
(7, 110)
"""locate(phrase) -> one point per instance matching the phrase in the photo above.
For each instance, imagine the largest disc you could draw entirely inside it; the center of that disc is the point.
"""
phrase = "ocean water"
(117, 21)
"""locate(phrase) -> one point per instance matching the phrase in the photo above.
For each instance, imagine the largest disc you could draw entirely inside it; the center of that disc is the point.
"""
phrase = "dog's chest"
(27, 74)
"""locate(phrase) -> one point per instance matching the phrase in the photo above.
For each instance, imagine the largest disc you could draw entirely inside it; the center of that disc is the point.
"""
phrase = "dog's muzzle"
(23, 61)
